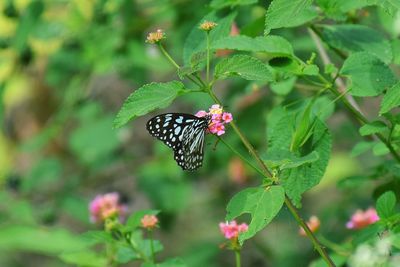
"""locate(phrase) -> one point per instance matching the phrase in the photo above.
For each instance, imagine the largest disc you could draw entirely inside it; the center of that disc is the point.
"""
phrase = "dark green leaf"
(358, 38)
(247, 67)
(263, 204)
(274, 46)
(146, 99)
(369, 76)
(288, 13)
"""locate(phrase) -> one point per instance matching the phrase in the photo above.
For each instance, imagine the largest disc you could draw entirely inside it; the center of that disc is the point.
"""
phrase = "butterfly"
(184, 133)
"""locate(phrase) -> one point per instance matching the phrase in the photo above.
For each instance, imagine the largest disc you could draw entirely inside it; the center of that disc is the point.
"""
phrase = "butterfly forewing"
(184, 133)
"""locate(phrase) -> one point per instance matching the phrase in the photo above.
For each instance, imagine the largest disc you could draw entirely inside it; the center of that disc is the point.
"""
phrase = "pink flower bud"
(106, 206)
(231, 230)
(149, 221)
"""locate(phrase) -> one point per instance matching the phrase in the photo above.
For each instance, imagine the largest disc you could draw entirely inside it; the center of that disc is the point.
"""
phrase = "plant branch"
(321, 250)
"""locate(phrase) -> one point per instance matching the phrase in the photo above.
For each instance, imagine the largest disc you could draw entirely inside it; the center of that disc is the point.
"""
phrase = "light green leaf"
(337, 9)
(369, 76)
(126, 254)
(380, 149)
(175, 262)
(274, 46)
(283, 87)
(84, 258)
(247, 67)
(196, 40)
(263, 204)
(288, 13)
(146, 99)
(361, 147)
(218, 4)
(358, 38)
(391, 99)
(373, 128)
(385, 204)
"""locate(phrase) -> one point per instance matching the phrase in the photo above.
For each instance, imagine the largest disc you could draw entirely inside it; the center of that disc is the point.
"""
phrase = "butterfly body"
(184, 133)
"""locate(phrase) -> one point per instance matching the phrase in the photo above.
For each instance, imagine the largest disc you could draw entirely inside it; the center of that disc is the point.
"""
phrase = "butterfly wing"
(184, 133)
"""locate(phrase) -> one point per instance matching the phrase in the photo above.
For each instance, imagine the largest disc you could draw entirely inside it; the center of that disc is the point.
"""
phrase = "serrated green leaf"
(247, 67)
(391, 99)
(218, 4)
(369, 76)
(298, 180)
(274, 46)
(96, 237)
(311, 70)
(358, 38)
(196, 40)
(337, 9)
(372, 128)
(288, 13)
(146, 99)
(385, 204)
(263, 204)
(84, 258)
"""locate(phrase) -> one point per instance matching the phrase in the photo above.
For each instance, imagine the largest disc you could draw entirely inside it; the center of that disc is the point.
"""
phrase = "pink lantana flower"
(218, 119)
(149, 221)
(106, 206)
(231, 230)
(361, 219)
(313, 223)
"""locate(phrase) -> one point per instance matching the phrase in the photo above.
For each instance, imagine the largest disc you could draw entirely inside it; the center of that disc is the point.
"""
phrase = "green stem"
(237, 257)
(168, 56)
(317, 245)
(152, 246)
(240, 156)
(321, 250)
(208, 57)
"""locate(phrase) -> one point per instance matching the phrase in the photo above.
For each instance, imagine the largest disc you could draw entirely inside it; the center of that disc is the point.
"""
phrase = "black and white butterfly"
(184, 133)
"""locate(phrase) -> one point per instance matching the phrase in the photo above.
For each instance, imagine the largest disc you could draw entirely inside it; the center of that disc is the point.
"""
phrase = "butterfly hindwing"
(184, 133)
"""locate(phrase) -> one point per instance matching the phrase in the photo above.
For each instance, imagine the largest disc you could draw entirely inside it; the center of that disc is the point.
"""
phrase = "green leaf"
(380, 149)
(46, 172)
(337, 9)
(126, 254)
(283, 87)
(358, 38)
(391, 99)
(274, 46)
(146, 99)
(285, 160)
(369, 76)
(361, 147)
(247, 67)
(298, 180)
(196, 40)
(337, 259)
(263, 204)
(175, 262)
(288, 13)
(373, 128)
(96, 237)
(385, 204)
(218, 4)
(84, 258)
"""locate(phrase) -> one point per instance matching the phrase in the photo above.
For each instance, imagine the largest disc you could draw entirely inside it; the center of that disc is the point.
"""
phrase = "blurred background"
(65, 69)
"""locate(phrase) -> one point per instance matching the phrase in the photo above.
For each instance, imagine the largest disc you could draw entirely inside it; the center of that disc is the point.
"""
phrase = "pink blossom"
(217, 119)
(232, 230)
(149, 221)
(313, 223)
(217, 128)
(106, 206)
(201, 113)
(361, 219)
(227, 117)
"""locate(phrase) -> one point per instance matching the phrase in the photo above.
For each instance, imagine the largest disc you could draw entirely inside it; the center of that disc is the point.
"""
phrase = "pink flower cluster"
(149, 221)
(361, 219)
(218, 119)
(231, 230)
(106, 206)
